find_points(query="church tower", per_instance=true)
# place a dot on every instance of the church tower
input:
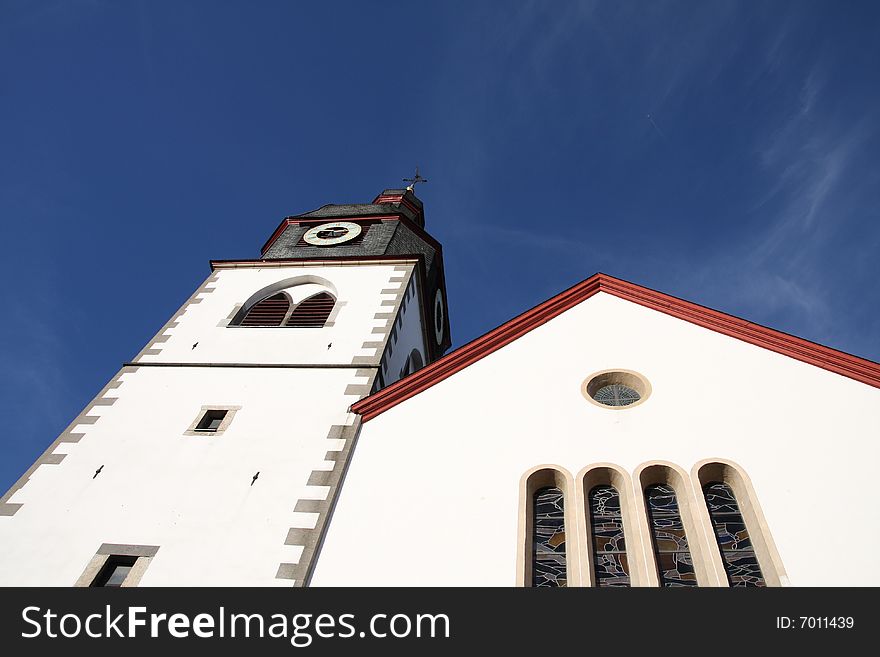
(215, 456)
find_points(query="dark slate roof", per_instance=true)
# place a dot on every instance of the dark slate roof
(360, 210)
(332, 210)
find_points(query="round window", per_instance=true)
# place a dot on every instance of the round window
(616, 388)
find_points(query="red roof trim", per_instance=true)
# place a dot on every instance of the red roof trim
(860, 369)
(395, 198)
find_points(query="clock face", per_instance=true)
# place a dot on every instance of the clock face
(330, 234)
(439, 319)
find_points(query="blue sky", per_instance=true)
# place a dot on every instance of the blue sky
(724, 152)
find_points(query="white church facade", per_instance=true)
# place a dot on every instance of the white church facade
(296, 423)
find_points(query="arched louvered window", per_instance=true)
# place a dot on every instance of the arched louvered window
(271, 311)
(609, 546)
(674, 562)
(276, 311)
(737, 552)
(548, 546)
(312, 313)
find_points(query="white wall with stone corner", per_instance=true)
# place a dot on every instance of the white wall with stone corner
(406, 336)
(191, 496)
(431, 495)
(357, 288)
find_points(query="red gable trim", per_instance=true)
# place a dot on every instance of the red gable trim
(860, 369)
(395, 198)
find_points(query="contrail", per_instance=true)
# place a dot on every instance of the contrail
(659, 131)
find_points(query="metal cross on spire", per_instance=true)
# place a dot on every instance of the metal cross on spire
(415, 180)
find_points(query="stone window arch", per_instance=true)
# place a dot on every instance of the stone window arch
(612, 549)
(744, 552)
(548, 553)
(298, 302)
(677, 551)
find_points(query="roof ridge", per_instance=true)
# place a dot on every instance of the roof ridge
(812, 353)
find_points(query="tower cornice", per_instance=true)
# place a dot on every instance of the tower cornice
(337, 261)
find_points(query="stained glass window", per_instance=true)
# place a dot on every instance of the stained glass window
(737, 551)
(548, 546)
(616, 394)
(609, 546)
(674, 562)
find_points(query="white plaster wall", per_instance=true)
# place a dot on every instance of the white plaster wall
(405, 336)
(357, 291)
(431, 495)
(190, 495)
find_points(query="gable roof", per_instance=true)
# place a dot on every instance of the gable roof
(860, 369)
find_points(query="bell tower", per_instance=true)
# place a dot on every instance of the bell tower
(393, 225)
(215, 456)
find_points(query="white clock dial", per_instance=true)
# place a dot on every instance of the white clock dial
(334, 233)
(439, 319)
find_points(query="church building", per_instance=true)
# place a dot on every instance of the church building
(299, 422)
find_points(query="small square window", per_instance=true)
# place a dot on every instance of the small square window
(211, 421)
(117, 564)
(115, 570)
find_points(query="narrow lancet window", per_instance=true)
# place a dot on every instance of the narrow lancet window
(674, 563)
(610, 563)
(737, 552)
(548, 564)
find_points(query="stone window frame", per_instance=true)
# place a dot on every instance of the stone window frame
(531, 481)
(635, 380)
(664, 472)
(231, 410)
(143, 553)
(609, 474)
(730, 473)
(688, 488)
(233, 320)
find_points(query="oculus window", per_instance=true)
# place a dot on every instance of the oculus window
(616, 389)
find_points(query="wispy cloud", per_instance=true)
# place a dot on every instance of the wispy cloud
(804, 162)
(656, 127)
(781, 267)
(628, 71)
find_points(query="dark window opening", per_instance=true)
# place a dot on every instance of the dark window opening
(271, 311)
(548, 541)
(737, 551)
(312, 313)
(610, 564)
(674, 562)
(115, 570)
(211, 421)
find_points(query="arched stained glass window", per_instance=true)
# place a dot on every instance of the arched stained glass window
(271, 311)
(313, 312)
(548, 546)
(674, 562)
(609, 546)
(737, 551)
